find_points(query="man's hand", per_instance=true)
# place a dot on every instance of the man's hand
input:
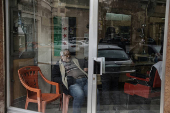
(85, 69)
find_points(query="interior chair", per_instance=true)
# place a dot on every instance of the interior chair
(146, 87)
(29, 78)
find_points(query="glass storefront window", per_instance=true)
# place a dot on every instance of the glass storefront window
(50, 34)
(40, 30)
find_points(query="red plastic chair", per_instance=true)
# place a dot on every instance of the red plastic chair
(141, 90)
(150, 89)
(29, 78)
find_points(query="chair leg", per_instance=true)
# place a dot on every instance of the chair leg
(43, 107)
(61, 103)
(39, 106)
(127, 101)
(26, 104)
(65, 103)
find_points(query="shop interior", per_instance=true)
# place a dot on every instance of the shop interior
(40, 29)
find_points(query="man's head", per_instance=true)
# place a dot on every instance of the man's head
(65, 55)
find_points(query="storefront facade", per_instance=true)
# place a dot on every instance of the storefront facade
(130, 36)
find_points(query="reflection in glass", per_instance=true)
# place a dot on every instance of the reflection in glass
(130, 38)
(40, 30)
(113, 55)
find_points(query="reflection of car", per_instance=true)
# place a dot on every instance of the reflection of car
(127, 40)
(66, 45)
(114, 40)
(82, 43)
(74, 39)
(151, 41)
(84, 46)
(116, 60)
(145, 53)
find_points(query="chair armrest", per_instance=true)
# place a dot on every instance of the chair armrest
(50, 82)
(30, 88)
(128, 75)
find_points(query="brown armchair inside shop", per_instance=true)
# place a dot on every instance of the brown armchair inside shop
(128, 35)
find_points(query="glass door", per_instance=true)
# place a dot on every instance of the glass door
(126, 37)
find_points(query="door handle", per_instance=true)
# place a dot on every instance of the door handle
(99, 65)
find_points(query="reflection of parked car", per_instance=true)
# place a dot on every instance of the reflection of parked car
(114, 40)
(145, 53)
(127, 41)
(82, 43)
(151, 41)
(74, 39)
(116, 60)
(66, 45)
(84, 46)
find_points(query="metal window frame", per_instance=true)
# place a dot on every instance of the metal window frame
(7, 54)
(164, 56)
(93, 34)
(93, 39)
(10, 109)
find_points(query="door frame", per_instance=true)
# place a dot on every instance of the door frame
(93, 42)
(164, 56)
(93, 34)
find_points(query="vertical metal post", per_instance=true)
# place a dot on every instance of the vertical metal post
(8, 82)
(93, 38)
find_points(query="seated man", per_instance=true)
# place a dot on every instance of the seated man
(69, 73)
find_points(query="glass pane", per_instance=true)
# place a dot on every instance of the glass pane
(130, 37)
(41, 31)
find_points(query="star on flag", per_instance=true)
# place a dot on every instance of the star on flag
(64, 43)
(65, 35)
(65, 28)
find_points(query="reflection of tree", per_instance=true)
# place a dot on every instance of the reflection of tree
(102, 16)
(122, 7)
(151, 7)
(29, 2)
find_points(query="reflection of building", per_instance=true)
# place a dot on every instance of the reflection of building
(133, 19)
(37, 22)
